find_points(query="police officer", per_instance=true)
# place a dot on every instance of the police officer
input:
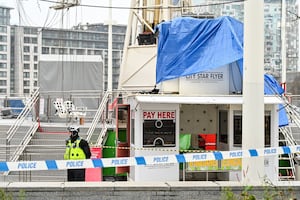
(76, 149)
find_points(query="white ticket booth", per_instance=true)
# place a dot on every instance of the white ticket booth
(154, 131)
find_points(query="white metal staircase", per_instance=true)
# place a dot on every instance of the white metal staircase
(96, 119)
(286, 166)
(20, 147)
(22, 116)
(287, 169)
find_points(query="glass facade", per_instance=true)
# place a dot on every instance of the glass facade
(273, 13)
(4, 16)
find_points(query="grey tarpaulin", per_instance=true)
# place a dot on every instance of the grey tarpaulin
(67, 76)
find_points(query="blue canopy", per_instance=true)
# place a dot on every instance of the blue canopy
(188, 45)
(272, 87)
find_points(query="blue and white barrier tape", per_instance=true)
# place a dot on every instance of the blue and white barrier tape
(144, 160)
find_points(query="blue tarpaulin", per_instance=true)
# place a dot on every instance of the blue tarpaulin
(188, 45)
(272, 87)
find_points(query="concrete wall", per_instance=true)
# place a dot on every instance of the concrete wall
(137, 191)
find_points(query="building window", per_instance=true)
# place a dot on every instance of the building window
(3, 29)
(80, 52)
(34, 40)
(2, 91)
(2, 82)
(54, 51)
(35, 49)
(3, 65)
(26, 49)
(237, 129)
(26, 83)
(35, 75)
(26, 75)
(63, 51)
(26, 58)
(26, 66)
(97, 52)
(45, 50)
(223, 126)
(35, 58)
(3, 38)
(30, 30)
(26, 40)
(26, 91)
(30, 40)
(35, 66)
(3, 48)
(3, 74)
(3, 57)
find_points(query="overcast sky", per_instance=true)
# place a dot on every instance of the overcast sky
(39, 13)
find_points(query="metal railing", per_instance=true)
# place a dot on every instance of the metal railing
(98, 114)
(102, 135)
(25, 141)
(289, 138)
(17, 123)
(21, 117)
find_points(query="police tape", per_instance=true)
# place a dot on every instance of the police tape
(145, 160)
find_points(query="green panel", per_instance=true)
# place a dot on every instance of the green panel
(111, 138)
(184, 144)
(184, 141)
(284, 163)
(122, 135)
(109, 153)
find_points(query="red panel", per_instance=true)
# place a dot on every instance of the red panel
(210, 141)
(210, 147)
(94, 174)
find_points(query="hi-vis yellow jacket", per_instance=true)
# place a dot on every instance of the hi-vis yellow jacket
(73, 151)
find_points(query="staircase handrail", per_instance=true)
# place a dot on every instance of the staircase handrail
(25, 141)
(23, 144)
(294, 115)
(97, 115)
(288, 136)
(21, 117)
(102, 135)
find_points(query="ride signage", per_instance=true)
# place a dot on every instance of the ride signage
(159, 128)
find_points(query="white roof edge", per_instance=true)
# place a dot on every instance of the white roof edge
(71, 58)
(201, 100)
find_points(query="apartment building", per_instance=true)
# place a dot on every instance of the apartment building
(34, 45)
(5, 54)
(273, 19)
(25, 59)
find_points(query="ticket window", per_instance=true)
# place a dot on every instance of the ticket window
(159, 133)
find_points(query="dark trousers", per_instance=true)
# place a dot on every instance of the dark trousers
(76, 174)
